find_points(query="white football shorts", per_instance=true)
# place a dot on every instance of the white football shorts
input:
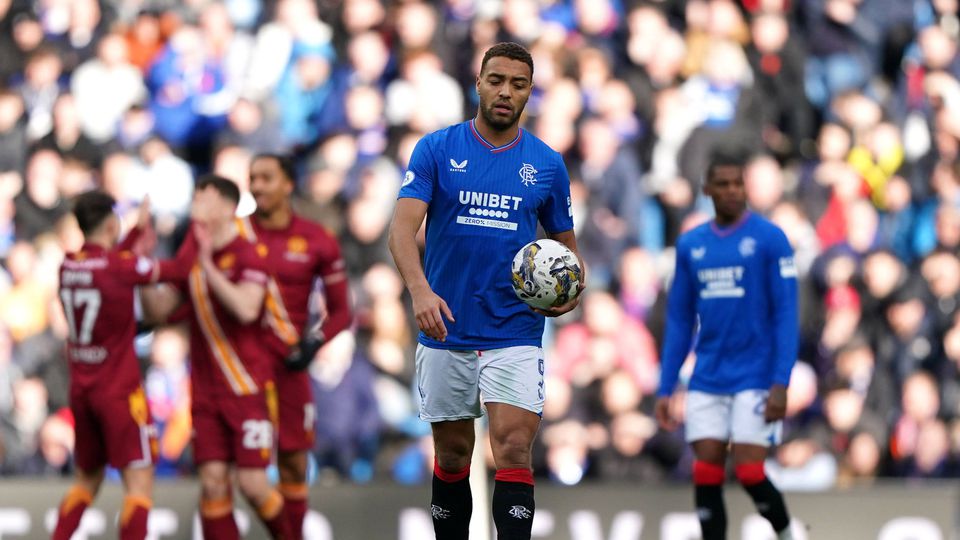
(453, 384)
(731, 417)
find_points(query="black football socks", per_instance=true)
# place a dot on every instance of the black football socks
(708, 495)
(451, 504)
(513, 504)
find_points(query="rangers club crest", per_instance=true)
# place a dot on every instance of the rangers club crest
(520, 512)
(527, 173)
(439, 512)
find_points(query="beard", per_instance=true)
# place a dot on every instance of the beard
(499, 123)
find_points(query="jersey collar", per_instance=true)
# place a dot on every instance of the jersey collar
(730, 229)
(494, 149)
(93, 249)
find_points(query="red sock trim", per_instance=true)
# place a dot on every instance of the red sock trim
(523, 476)
(450, 476)
(707, 474)
(750, 474)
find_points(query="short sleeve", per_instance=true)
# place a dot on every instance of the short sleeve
(421, 173)
(253, 265)
(330, 263)
(129, 269)
(556, 214)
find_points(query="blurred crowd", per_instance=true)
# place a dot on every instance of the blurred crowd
(850, 108)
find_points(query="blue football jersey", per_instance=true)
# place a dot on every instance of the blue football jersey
(740, 284)
(484, 205)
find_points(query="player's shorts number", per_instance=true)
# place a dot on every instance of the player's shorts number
(89, 300)
(257, 434)
(761, 408)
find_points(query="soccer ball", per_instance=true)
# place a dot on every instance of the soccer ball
(546, 274)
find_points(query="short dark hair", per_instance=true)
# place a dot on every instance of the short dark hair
(283, 161)
(224, 186)
(91, 209)
(508, 49)
(726, 156)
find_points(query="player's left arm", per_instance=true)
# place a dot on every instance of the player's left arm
(782, 290)
(141, 239)
(556, 216)
(569, 239)
(332, 271)
(243, 299)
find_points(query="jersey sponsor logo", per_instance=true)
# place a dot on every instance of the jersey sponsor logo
(747, 247)
(490, 200)
(262, 250)
(408, 178)
(788, 267)
(527, 174)
(458, 167)
(697, 253)
(297, 257)
(721, 282)
(483, 222)
(569, 207)
(482, 206)
(520, 512)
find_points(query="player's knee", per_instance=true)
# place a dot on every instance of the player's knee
(453, 461)
(292, 466)
(254, 484)
(454, 455)
(708, 474)
(512, 451)
(90, 480)
(214, 486)
(138, 482)
(750, 474)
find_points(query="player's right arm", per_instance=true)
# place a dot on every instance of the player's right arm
(161, 300)
(782, 290)
(416, 192)
(428, 307)
(681, 319)
(242, 299)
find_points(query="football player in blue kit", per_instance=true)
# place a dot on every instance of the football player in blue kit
(735, 291)
(482, 185)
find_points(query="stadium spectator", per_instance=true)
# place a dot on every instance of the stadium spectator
(105, 87)
(67, 137)
(13, 133)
